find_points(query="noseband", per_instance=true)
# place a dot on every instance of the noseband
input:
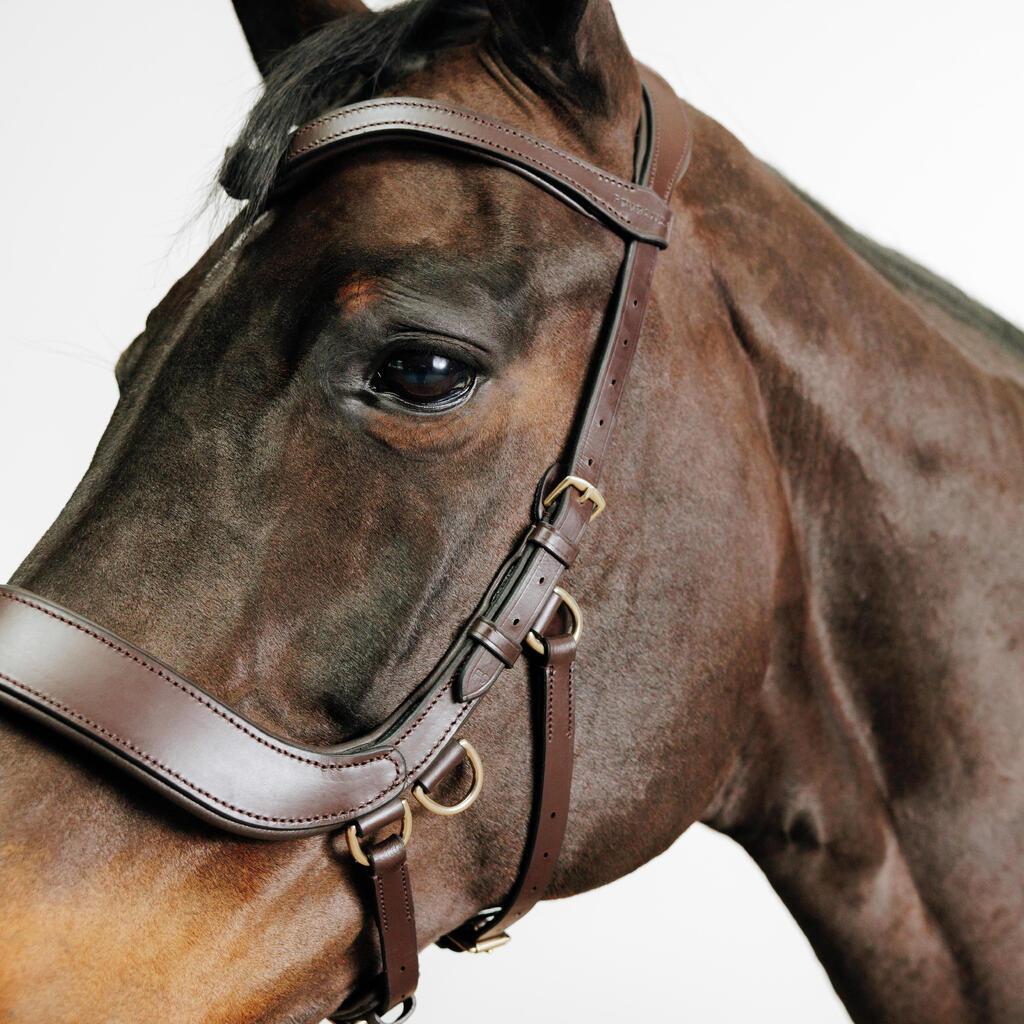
(91, 686)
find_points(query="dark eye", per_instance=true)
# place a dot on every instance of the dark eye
(424, 378)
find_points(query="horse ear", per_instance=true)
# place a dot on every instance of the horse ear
(575, 44)
(271, 26)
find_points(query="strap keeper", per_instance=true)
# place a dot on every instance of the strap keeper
(504, 648)
(443, 765)
(547, 537)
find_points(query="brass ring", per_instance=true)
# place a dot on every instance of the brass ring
(355, 847)
(534, 642)
(467, 801)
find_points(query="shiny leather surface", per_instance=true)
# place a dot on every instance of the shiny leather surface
(634, 210)
(553, 681)
(395, 919)
(396, 926)
(173, 734)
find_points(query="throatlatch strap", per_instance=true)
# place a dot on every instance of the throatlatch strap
(553, 676)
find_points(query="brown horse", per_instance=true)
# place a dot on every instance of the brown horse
(804, 604)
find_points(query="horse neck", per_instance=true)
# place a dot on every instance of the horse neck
(882, 786)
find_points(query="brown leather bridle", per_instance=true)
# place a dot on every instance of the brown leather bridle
(88, 684)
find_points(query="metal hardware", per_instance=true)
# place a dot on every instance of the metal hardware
(467, 801)
(484, 945)
(535, 643)
(375, 1018)
(588, 492)
(490, 945)
(356, 848)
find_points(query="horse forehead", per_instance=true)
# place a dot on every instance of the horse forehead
(359, 291)
(398, 197)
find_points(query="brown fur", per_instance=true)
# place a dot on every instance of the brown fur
(803, 605)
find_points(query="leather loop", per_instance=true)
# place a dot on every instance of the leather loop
(544, 535)
(370, 824)
(503, 647)
(450, 758)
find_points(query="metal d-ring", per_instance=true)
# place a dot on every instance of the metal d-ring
(356, 848)
(449, 811)
(535, 643)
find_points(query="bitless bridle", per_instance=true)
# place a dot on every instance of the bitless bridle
(88, 684)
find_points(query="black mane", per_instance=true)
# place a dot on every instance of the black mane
(348, 60)
(360, 55)
(913, 279)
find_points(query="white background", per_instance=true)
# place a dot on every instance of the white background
(904, 117)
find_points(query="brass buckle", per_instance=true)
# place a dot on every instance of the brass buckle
(356, 848)
(490, 945)
(484, 945)
(467, 801)
(588, 492)
(535, 643)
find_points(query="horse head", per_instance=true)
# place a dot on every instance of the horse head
(328, 439)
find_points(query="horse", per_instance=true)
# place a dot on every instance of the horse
(803, 603)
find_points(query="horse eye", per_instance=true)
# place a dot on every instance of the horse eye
(424, 378)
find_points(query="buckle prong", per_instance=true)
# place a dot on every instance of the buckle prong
(588, 492)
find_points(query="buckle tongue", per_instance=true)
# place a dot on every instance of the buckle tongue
(588, 492)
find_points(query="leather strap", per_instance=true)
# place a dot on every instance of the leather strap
(629, 208)
(88, 684)
(514, 606)
(93, 686)
(554, 540)
(395, 918)
(553, 679)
